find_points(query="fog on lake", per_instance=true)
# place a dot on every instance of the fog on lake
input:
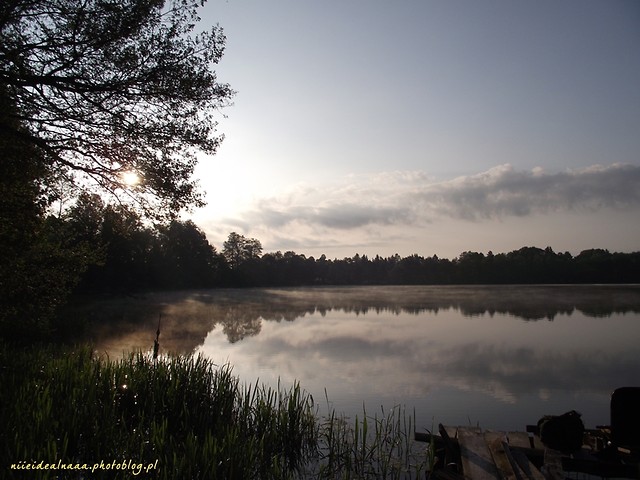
(500, 356)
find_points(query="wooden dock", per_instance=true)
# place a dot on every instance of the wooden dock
(470, 453)
(473, 454)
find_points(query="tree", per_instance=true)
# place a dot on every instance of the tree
(188, 259)
(85, 218)
(106, 87)
(38, 263)
(238, 249)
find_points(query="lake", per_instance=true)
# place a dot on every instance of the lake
(497, 356)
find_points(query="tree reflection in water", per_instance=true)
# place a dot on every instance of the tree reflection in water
(530, 347)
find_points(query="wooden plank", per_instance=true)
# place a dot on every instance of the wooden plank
(526, 467)
(495, 441)
(534, 433)
(469, 428)
(477, 463)
(537, 443)
(451, 431)
(519, 439)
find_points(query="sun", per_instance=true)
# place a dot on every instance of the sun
(130, 178)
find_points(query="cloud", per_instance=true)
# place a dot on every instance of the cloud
(349, 215)
(414, 198)
(503, 191)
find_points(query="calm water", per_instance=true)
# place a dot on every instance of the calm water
(500, 356)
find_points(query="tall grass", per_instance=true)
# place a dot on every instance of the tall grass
(182, 418)
(379, 446)
(188, 417)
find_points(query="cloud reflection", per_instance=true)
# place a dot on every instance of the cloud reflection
(506, 342)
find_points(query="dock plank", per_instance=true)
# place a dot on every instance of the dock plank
(505, 469)
(537, 443)
(451, 431)
(489, 455)
(523, 440)
(529, 469)
(519, 439)
(477, 462)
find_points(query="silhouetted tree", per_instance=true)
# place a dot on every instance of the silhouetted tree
(107, 87)
(238, 249)
(470, 267)
(594, 265)
(85, 218)
(122, 233)
(90, 90)
(38, 265)
(188, 259)
(120, 244)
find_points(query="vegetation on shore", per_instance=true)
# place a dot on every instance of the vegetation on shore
(95, 248)
(376, 447)
(180, 417)
(128, 255)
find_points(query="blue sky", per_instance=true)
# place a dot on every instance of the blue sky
(429, 127)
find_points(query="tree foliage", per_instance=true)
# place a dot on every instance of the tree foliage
(97, 248)
(238, 249)
(186, 258)
(131, 256)
(104, 87)
(39, 262)
(92, 90)
(527, 265)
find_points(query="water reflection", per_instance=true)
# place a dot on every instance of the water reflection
(500, 352)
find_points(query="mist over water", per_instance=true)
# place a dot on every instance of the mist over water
(501, 356)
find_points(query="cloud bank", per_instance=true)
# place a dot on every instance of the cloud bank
(413, 198)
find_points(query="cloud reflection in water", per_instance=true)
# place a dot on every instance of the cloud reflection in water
(406, 344)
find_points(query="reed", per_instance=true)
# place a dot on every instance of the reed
(379, 446)
(186, 417)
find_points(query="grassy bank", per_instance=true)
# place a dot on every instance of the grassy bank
(69, 414)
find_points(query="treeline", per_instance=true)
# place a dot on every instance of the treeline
(127, 256)
(527, 265)
(97, 248)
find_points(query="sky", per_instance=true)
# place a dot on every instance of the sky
(426, 127)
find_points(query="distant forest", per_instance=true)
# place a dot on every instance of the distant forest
(128, 257)
(92, 248)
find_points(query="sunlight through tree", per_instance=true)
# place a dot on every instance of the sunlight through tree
(106, 89)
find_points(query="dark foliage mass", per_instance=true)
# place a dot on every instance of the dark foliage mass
(107, 87)
(178, 255)
(99, 99)
(106, 249)
(527, 265)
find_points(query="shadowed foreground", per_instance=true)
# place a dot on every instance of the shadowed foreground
(183, 416)
(68, 414)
